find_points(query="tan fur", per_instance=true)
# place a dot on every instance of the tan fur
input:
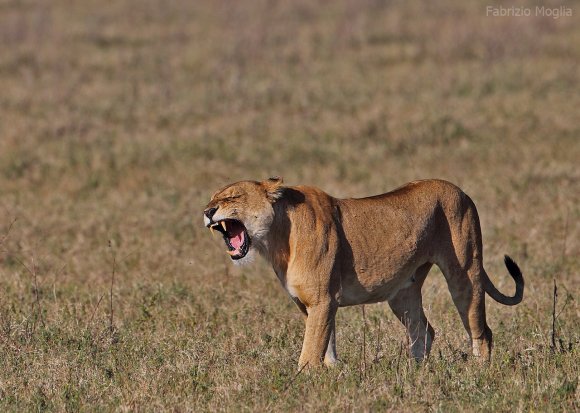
(330, 253)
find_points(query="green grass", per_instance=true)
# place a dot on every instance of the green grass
(118, 122)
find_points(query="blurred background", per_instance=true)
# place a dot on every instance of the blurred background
(119, 119)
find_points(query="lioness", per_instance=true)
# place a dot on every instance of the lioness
(331, 253)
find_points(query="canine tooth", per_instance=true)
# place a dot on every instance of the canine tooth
(223, 224)
(212, 231)
(231, 252)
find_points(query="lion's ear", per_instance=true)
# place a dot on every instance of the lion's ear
(273, 187)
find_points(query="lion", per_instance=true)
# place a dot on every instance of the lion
(330, 253)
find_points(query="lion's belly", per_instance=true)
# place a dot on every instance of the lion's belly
(365, 288)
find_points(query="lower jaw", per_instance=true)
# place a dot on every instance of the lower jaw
(237, 256)
(244, 259)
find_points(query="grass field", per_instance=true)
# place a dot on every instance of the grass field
(119, 119)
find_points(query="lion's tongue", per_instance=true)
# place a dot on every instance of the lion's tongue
(236, 233)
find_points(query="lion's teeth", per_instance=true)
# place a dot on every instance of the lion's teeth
(212, 231)
(231, 252)
(223, 224)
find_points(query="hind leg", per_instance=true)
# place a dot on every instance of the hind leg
(330, 357)
(408, 307)
(469, 298)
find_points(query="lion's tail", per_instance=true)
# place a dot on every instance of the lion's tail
(516, 274)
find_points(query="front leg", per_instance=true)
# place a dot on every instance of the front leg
(330, 357)
(319, 327)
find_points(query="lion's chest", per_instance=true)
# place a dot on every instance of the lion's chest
(291, 290)
(296, 288)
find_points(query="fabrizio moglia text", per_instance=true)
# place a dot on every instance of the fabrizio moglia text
(554, 12)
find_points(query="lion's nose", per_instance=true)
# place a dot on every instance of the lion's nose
(210, 212)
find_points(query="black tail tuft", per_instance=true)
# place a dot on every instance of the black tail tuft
(513, 268)
(516, 274)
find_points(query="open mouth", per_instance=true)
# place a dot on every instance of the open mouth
(235, 236)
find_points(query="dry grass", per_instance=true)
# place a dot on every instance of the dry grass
(118, 121)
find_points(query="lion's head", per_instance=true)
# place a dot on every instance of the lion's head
(242, 212)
